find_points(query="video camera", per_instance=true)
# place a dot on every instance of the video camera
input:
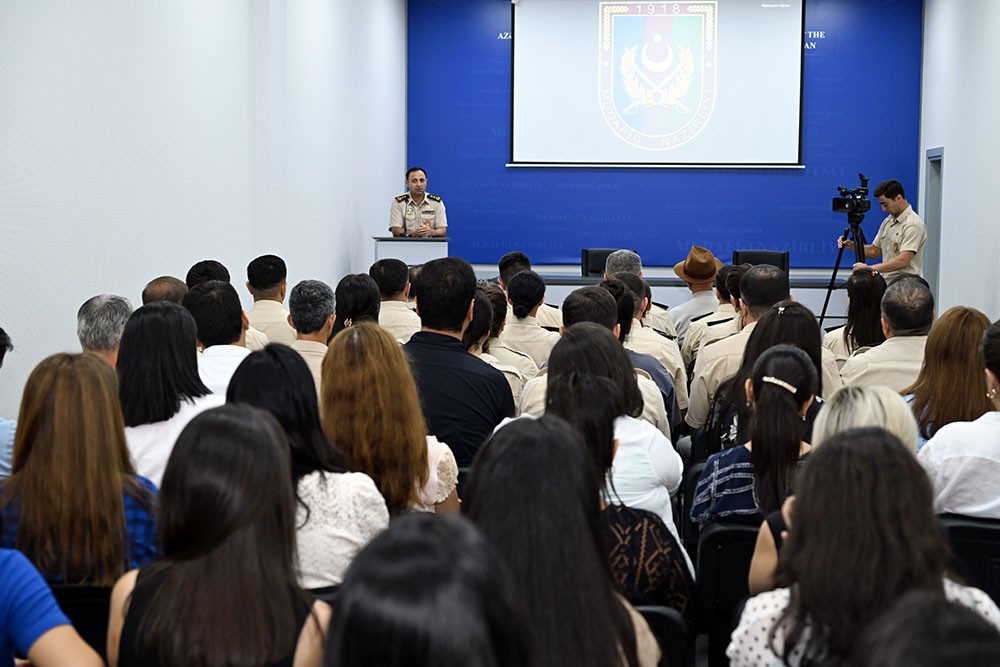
(853, 201)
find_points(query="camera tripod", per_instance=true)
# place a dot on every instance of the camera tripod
(853, 232)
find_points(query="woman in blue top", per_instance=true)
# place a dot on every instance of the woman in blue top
(754, 479)
(73, 503)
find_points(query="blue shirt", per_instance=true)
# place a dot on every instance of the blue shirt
(27, 608)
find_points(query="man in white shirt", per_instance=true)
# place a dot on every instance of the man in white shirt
(266, 282)
(393, 279)
(698, 270)
(222, 327)
(312, 315)
(210, 269)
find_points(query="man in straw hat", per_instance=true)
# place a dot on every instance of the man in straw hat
(698, 271)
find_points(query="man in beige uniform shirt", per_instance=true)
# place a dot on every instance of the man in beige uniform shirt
(510, 265)
(526, 293)
(393, 280)
(907, 316)
(628, 261)
(725, 312)
(266, 283)
(311, 305)
(417, 213)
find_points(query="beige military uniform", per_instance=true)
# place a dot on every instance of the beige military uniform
(547, 316)
(834, 341)
(897, 235)
(716, 363)
(271, 318)
(398, 319)
(514, 377)
(646, 341)
(408, 214)
(696, 330)
(256, 339)
(653, 411)
(507, 356)
(830, 373)
(527, 335)
(895, 363)
(659, 318)
(313, 353)
(720, 331)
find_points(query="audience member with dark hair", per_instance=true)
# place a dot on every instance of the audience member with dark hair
(99, 325)
(337, 512)
(526, 294)
(862, 534)
(205, 270)
(7, 426)
(726, 328)
(164, 288)
(907, 316)
(476, 342)
(629, 261)
(395, 314)
(227, 524)
(532, 494)
(357, 300)
(73, 503)
(865, 289)
(963, 457)
(370, 410)
(724, 312)
(507, 356)
(510, 265)
(428, 592)
(222, 327)
(158, 383)
(463, 398)
(414, 284)
(752, 480)
(311, 312)
(267, 283)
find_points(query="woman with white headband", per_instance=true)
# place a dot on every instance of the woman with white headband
(752, 480)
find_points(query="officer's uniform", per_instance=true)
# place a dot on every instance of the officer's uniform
(895, 363)
(409, 215)
(646, 341)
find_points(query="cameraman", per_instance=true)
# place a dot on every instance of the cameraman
(900, 239)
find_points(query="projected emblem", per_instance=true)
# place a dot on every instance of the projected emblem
(657, 71)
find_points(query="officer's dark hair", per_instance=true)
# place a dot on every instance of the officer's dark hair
(636, 286)
(391, 276)
(266, 275)
(498, 301)
(889, 189)
(590, 304)
(761, 287)
(526, 290)
(720, 280)
(205, 270)
(482, 320)
(415, 280)
(447, 287)
(413, 169)
(511, 264)
(908, 306)
(5, 345)
(624, 305)
(216, 309)
(733, 279)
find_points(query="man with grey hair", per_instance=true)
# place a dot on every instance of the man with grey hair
(907, 316)
(657, 317)
(311, 314)
(99, 325)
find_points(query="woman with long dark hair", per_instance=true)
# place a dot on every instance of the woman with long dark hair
(158, 383)
(532, 494)
(225, 592)
(73, 503)
(862, 534)
(753, 479)
(865, 288)
(356, 299)
(338, 512)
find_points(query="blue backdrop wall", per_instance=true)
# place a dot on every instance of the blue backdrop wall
(861, 105)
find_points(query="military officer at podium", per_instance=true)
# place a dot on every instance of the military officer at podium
(417, 213)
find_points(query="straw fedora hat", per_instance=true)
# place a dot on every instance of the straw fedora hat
(700, 266)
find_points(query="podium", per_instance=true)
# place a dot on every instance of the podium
(413, 250)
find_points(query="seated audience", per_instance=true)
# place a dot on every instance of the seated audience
(723, 313)
(907, 316)
(463, 398)
(99, 325)
(227, 525)
(222, 327)
(507, 356)
(394, 315)
(532, 494)
(7, 426)
(510, 265)
(862, 534)
(31, 623)
(963, 458)
(476, 339)
(371, 412)
(158, 383)
(337, 512)
(428, 592)
(164, 288)
(865, 289)
(950, 385)
(73, 503)
(698, 270)
(267, 282)
(526, 293)
(210, 269)
(726, 328)
(657, 317)
(752, 480)
(312, 314)
(356, 300)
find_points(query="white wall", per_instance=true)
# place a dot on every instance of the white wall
(960, 105)
(138, 138)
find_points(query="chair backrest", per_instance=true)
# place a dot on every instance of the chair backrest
(88, 609)
(671, 632)
(592, 260)
(725, 550)
(689, 529)
(772, 257)
(327, 594)
(976, 546)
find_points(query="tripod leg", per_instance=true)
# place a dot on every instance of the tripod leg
(833, 279)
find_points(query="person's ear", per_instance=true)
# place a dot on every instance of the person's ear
(406, 292)
(748, 388)
(249, 289)
(472, 307)
(290, 323)
(806, 406)
(617, 331)
(886, 329)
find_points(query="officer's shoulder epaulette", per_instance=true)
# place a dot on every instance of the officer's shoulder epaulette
(701, 317)
(434, 198)
(663, 333)
(402, 197)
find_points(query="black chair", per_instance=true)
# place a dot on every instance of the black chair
(327, 594)
(671, 632)
(689, 529)
(463, 474)
(725, 550)
(975, 544)
(772, 257)
(88, 609)
(592, 260)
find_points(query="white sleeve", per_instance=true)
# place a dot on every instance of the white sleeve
(666, 462)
